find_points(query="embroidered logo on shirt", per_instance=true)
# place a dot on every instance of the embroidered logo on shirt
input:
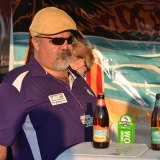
(56, 99)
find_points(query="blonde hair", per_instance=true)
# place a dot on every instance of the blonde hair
(83, 51)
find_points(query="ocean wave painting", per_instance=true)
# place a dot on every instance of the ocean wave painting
(131, 69)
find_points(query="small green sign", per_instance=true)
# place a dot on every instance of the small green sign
(126, 129)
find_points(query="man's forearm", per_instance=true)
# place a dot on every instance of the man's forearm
(3, 152)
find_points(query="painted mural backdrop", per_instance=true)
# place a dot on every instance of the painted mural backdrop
(125, 37)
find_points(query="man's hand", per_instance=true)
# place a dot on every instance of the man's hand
(3, 152)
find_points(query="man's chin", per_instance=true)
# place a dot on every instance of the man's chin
(62, 68)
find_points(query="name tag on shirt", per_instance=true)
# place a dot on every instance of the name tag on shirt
(56, 99)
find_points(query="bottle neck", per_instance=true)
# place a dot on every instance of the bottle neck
(101, 102)
(157, 103)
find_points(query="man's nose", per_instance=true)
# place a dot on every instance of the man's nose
(64, 45)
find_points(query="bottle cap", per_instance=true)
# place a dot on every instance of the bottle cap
(101, 95)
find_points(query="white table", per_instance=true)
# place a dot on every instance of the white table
(85, 151)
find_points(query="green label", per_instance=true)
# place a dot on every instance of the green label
(125, 136)
(126, 129)
(155, 135)
(100, 132)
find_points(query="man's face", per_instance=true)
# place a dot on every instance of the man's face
(54, 54)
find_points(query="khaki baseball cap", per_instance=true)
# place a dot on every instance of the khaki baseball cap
(51, 20)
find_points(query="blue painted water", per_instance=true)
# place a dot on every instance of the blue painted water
(131, 69)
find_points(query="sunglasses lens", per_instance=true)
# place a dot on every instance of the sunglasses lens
(70, 40)
(60, 41)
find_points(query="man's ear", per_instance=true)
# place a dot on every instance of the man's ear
(35, 44)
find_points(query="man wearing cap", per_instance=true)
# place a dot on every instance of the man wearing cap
(46, 107)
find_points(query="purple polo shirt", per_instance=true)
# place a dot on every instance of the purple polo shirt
(40, 115)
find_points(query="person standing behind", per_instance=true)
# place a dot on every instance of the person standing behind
(44, 103)
(83, 58)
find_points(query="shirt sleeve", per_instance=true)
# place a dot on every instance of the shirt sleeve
(12, 113)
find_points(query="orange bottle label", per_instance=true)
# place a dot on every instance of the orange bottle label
(100, 134)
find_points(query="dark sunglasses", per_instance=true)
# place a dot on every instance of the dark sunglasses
(60, 41)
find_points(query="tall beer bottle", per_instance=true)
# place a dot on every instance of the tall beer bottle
(155, 125)
(101, 136)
